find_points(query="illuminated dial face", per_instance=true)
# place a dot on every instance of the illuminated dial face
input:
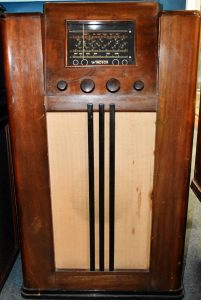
(100, 43)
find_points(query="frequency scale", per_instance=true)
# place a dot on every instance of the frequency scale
(100, 43)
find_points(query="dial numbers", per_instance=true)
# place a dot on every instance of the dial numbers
(100, 43)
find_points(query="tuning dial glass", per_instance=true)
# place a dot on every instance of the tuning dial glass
(100, 43)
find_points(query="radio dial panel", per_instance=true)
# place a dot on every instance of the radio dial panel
(100, 43)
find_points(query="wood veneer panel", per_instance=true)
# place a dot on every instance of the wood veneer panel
(138, 103)
(9, 239)
(179, 42)
(24, 83)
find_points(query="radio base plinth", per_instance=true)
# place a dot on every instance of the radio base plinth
(89, 295)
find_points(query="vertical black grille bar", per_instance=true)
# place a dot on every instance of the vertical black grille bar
(101, 185)
(91, 185)
(112, 187)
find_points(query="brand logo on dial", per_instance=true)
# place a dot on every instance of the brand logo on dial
(99, 62)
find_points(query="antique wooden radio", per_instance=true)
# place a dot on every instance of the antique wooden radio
(101, 107)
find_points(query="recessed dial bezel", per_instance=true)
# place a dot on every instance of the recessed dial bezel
(106, 34)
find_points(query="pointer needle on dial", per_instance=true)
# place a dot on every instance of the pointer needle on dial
(83, 41)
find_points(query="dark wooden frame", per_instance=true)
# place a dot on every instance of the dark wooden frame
(9, 237)
(175, 119)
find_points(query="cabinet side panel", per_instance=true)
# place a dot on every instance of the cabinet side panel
(24, 83)
(179, 41)
(9, 242)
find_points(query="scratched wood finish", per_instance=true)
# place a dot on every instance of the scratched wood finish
(179, 34)
(68, 160)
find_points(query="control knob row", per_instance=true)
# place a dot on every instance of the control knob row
(112, 85)
(88, 85)
(116, 61)
(84, 62)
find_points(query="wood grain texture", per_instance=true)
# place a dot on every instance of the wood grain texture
(9, 238)
(137, 103)
(178, 60)
(24, 83)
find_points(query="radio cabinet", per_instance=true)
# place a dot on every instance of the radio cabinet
(101, 109)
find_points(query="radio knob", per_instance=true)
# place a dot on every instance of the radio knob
(75, 62)
(138, 85)
(115, 61)
(62, 85)
(113, 85)
(87, 85)
(124, 62)
(84, 62)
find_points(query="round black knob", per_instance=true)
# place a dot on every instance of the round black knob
(87, 85)
(138, 85)
(84, 62)
(62, 85)
(113, 85)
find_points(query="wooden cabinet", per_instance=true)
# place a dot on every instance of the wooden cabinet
(102, 146)
(9, 243)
